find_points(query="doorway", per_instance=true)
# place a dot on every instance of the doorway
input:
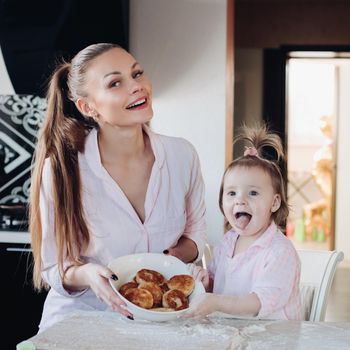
(311, 102)
(304, 103)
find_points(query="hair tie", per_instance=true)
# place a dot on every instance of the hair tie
(251, 151)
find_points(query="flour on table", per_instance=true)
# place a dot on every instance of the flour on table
(240, 340)
(252, 329)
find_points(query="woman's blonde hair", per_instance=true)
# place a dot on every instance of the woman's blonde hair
(61, 137)
(260, 138)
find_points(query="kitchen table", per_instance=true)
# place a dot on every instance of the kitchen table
(109, 330)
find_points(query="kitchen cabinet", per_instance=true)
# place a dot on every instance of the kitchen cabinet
(21, 304)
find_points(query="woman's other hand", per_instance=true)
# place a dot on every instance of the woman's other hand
(185, 250)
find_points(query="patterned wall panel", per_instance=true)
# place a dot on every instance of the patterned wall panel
(20, 118)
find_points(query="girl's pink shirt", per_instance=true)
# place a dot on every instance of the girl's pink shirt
(270, 268)
(174, 207)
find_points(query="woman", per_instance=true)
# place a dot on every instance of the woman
(104, 185)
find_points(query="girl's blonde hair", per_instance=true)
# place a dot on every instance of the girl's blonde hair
(260, 138)
(61, 137)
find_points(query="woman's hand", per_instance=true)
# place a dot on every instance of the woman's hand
(185, 249)
(95, 277)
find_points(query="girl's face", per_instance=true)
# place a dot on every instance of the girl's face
(248, 200)
(118, 89)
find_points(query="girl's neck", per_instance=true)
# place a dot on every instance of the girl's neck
(243, 242)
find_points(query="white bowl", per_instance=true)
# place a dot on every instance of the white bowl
(125, 267)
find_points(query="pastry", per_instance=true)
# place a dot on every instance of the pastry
(184, 283)
(175, 299)
(155, 290)
(127, 286)
(146, 275)
(164, 287)
(140, 297)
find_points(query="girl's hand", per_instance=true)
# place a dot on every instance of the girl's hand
(96, 277)
(199, 274)
(202, 306)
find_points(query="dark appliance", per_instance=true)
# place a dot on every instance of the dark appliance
(13, 217)
(20, 118)
(21, 306)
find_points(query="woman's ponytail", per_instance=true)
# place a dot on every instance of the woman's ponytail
(61, 137)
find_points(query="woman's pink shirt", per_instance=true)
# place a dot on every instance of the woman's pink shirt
(174, 207)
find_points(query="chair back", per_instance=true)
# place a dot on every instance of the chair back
(317, 272)
(207, 256)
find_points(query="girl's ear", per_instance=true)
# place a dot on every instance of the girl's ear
(276, 203)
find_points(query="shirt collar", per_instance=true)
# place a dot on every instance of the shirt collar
(263, 241)
(157, 146)
(92, 152)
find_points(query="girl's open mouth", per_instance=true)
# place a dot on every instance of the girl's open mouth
(242, 219)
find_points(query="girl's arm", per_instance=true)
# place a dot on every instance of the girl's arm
(247, 305)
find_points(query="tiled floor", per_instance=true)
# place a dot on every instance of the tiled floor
(338, 309)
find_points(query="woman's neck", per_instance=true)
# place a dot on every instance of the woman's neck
(122, 144)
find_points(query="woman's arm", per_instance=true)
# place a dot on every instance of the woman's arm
(190, 246)
(186, 250)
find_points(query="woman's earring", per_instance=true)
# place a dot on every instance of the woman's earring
(94, 116)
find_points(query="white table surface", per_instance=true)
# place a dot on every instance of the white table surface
(107, 331)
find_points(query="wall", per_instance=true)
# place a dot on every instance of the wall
(248, 89)
(182, 46)
(342, 225)
(270, 23)
(6, 87)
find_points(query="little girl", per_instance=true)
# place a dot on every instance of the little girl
(255, 268)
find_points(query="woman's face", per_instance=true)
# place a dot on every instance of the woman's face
(118, 90)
